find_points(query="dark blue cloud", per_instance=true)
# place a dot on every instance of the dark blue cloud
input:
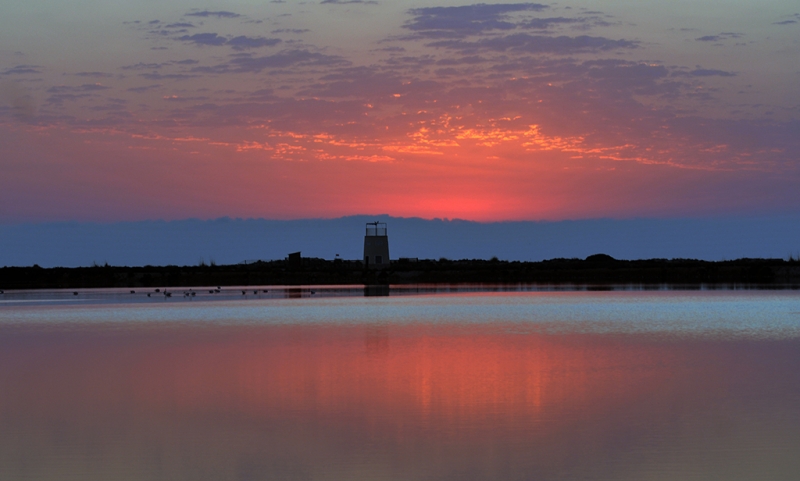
(180, 25)
(361, 82)
(79, 88)
(793, 19)
(243, 42)
(284, 59)
(620, 69)
(117, 106)
(143, 88)
(64, 93)
(468, 60)
(469, 19)
(525, 43)
(172, 76)
(291, 30)
(545, 23)
(175, 98)
(94, 74)
(707, 72)
(719, 37)
(347, 2)
(142, 66)
(22, 70)
(218, 14)
(204, 39)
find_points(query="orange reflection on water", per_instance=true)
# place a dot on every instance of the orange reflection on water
(384, 402)
(444, 376)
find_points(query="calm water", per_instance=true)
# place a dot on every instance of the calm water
(622, 385)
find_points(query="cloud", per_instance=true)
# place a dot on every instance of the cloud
(64, 93)
(94, 74)
(284, 59)
(706, 72)
(180, 25)
(290, 30)
(112, 105)
(59, 99)
(363, 82)
(178, 98)
(522, 42)
(347, 2)
(142, 66)
(621, 69)
(719, 37)
(793, 19)
(545, 23)
(22, 70)
(21, 102)
(77, 89)
(467, 20)
(242, 42)
(204, 39)
(173, 76)
(391, 49)
(469, 60)
(144, 88)
(218, 14)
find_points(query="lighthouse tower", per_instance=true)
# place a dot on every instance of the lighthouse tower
(376, 246)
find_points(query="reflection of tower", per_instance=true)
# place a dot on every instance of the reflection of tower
(376, 246)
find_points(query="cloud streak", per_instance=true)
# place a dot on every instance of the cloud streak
(469, 19)
(526, 43)
(217, 14)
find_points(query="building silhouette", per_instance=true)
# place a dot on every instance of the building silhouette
(376, 246)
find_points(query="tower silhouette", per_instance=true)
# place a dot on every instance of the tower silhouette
(376, 246)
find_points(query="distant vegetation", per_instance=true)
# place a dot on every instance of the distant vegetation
(598, 269)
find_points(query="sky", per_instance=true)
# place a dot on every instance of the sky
(123, 110)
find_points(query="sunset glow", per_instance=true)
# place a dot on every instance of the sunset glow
(489, 111)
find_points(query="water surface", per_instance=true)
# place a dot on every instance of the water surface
(622, 385)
